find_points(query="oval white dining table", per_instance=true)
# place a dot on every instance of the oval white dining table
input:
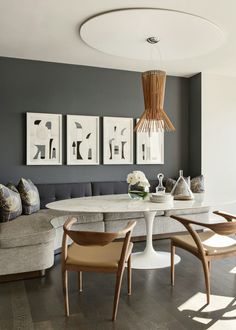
(149, 258)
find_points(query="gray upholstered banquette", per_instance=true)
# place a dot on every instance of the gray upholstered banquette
(28, 242)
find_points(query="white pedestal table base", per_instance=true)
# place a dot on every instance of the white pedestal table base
(158, 259)
(149, 258)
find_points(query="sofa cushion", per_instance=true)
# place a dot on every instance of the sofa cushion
(161, 224)
(11, 186)
(197, 184)
(55, 192)
(109, 188)
(116, 187)
(169, 184)
(27, 230)
(10, 204)
(140, 227)
(196, 210)
(26, 259)
(126, 215)
(114, 226)
(153, 185)
(29, 196)
(59, 217)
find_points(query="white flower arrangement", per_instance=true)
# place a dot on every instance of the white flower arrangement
(138, 177)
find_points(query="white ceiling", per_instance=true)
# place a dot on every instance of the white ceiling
(48, 30)
(124, 33)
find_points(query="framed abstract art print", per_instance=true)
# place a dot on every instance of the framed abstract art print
(149, 147)
(82, 140)
(44, 139)
(117, 140)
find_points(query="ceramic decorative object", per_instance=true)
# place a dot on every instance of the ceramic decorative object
(138, 185)
(160, 189)
(181, 190)
(161, 198)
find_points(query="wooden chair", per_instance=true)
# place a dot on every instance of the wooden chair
(96, 252)
(208, 245)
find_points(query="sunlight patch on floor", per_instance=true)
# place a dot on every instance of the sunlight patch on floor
(202, 320)
(224, 325)
(233, 270)
(219, 314)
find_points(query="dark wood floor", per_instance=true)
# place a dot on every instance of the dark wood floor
(38, 303)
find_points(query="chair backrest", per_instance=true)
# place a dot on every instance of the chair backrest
(229, 217)
(88, 238)
(221, 228)
(91, 238)
(95, 238)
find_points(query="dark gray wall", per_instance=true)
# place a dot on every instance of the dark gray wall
(33, 86)
(195, 124)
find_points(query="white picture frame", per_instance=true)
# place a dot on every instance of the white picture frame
(43, 139)
(149, 147)
(82, 140)
(117, 140)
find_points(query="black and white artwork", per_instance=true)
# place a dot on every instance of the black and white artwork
(82, 140)
(117, 140)
(150, 147)
(44, 139)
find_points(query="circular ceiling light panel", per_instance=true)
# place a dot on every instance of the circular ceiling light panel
(125, 32)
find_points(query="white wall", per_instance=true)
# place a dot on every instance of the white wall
(219, 133)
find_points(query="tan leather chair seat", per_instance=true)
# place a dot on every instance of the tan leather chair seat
(213, 244)
(106, 256)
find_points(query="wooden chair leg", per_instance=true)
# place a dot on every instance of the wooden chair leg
(119, 277)
(172, 264)
(65, 291)
(129, 275)
(80, 281)
(209, 265)
(207, 279)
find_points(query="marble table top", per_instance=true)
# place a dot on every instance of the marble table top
(122, 203)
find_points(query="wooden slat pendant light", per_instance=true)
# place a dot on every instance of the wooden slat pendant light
(154, 118)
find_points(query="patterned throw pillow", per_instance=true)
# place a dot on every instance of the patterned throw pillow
(10, 204)
(169, 184)
(11, 186)
(197, 184)
(29, 196)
